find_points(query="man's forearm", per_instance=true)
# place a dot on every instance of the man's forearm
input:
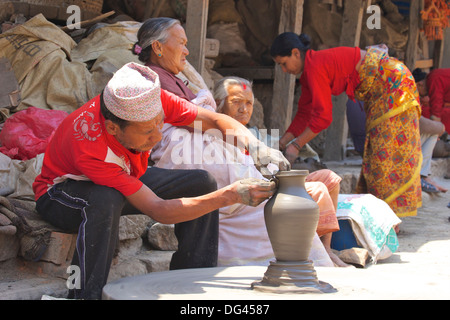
(185, 209)
(248, 191)
(182, 209)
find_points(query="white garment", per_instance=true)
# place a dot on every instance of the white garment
(428, 142)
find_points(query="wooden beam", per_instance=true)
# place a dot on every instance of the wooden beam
(284, 84)
(196, 24)
(352, 23)
(87, 23)
(438, 53)
(423, 64)
(413, 34)
(337, 132)
(446, 48)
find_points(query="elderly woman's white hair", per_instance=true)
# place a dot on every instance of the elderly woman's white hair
(153, 29)
(221, 89)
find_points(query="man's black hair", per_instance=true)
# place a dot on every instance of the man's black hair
(108, 115)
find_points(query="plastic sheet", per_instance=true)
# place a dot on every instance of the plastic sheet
(26, 133)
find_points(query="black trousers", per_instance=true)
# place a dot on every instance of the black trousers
(93, 211)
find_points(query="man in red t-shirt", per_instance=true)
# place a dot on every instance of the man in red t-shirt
(96, 168)
(434, 91)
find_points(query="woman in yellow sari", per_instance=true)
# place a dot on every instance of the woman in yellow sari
(392, 154)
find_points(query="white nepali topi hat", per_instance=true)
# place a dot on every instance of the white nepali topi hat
(133, 93)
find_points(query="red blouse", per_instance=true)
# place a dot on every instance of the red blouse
(325, 73)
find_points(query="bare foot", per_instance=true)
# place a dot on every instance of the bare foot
(430, 181)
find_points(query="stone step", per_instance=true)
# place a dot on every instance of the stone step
(21, 279)
(24, 280)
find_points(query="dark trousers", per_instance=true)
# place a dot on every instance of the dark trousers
(93, 211)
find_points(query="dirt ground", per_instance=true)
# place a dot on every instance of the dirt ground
(420, 269)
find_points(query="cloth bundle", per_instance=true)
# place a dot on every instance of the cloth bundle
(17, 207)
(18, 217)
(372, 221)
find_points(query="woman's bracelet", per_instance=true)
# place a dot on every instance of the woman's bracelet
(296, 145)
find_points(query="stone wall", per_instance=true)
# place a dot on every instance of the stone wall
(144, 246)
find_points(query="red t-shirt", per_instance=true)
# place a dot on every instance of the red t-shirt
(81, 149)
(438, 84)
(326, 72)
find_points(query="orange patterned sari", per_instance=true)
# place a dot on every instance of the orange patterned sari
(392, 153)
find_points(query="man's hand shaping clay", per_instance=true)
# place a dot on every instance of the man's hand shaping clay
(253, 191)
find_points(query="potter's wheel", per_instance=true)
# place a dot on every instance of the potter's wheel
(219, 283)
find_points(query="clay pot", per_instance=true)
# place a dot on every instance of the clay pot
(291, 220)
(291, 217)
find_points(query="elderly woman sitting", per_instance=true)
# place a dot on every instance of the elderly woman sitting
(243, 236)
(234, 97)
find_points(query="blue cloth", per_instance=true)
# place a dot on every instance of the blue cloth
(356, 118)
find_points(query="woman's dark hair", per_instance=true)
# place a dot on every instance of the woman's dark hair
(108, 115)
(284, 43)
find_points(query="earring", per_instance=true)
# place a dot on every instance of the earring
(159, 55)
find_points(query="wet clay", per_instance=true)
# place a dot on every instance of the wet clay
(244, 192)
(291, 217)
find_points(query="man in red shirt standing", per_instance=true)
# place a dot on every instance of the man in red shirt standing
(435, 85)
(96, 168)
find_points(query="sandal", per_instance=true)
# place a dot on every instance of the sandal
(427, 187)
